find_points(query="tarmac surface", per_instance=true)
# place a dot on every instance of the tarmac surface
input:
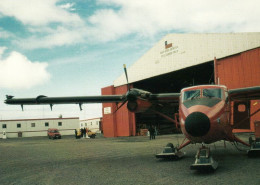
(122, 160)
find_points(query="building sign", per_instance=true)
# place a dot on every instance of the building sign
(107, 110)
(169, 50)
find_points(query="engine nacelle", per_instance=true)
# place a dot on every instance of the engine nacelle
(138, 105)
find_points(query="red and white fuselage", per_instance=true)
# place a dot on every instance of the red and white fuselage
(204, 114)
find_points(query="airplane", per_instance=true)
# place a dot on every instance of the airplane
(204, 114)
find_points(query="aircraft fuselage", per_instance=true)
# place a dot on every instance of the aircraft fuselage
(204, 114)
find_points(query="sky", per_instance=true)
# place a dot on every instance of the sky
(75, 48)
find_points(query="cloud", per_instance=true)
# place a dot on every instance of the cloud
(68, 6)
(17, 72)
(52, 24)
(55, 37)
(148, 17)
(38, 12)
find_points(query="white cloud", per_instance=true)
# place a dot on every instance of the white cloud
(68, 6)
(2, 50)
(148, 17)
(56, 37)
(114, 19)
(38, 12)
(17, 72)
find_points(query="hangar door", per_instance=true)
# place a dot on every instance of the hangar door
(241, 115)
(172, 83)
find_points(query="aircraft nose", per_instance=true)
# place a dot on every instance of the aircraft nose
(197, 124)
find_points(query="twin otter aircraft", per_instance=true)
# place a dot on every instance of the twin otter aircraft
(204, 114)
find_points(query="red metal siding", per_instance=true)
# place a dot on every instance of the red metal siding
(122, 117)
(255, 105)
(109, 120)
(122, 123)
(242, 70)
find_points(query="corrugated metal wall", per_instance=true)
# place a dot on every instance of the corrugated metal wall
(125, 119)
(109, 120)
(122, 123)
(241, 70)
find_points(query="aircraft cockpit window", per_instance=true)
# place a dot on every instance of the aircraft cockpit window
(212, 93)
(189, 95)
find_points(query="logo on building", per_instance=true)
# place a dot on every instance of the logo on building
(168, 50)
(167, 45)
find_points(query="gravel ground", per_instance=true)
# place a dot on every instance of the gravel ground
(122, 160)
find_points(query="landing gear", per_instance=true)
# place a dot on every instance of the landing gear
(204, 160)
(170, 152)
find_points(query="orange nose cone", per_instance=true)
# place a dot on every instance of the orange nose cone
(197, 124)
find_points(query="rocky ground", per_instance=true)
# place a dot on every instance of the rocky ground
(122, 160)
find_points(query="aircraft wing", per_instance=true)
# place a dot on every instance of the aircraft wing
(165, 98)
(248, 93)
(132, 95)
(64, 100)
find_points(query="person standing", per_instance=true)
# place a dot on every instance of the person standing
(84, 132)
(151, 130)
(153, 135)
(76, 133)
(81, 132)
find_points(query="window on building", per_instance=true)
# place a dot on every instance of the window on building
(241, 107)
(59, 123)
(46, 124)
(32, 124)
(4, 126)
(85, 124)
(91, 123)
(97, 122)
(18, 125)
(81, 124)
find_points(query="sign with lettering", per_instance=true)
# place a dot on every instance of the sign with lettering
(107, 110)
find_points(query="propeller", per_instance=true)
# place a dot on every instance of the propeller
(127, 93)
(132, 94)
(128, 86)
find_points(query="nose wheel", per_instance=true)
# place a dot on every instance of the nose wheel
(204, 160)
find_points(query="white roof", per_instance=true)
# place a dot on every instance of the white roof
(185, 50)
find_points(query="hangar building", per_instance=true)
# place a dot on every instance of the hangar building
(37, 127)
(182, 60)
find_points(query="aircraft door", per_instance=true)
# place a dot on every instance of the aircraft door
(241, 115)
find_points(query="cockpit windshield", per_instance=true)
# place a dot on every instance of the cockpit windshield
(189, 95)
(212, 93)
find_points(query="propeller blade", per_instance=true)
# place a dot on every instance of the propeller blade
(128, 87)
(120, 106)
